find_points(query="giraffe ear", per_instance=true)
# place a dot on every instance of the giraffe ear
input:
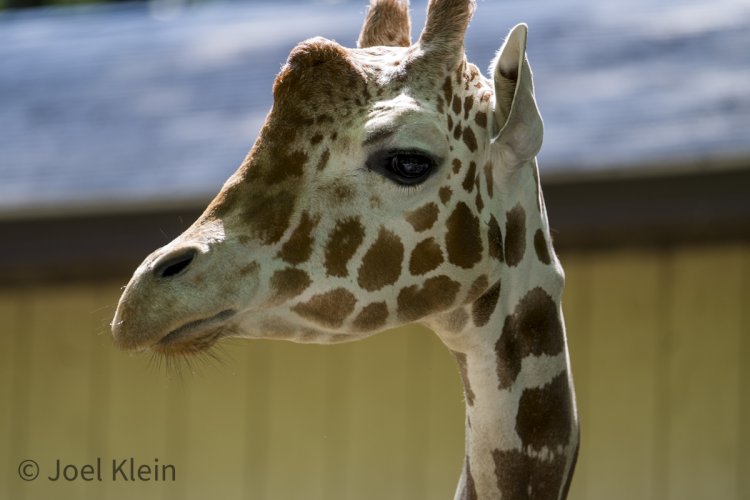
(517, 123)
(387, 23)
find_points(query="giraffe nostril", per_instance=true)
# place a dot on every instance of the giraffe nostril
(175, 264)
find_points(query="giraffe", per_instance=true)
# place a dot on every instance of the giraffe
(391, 184)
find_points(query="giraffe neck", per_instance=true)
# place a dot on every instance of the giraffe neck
(510, 345)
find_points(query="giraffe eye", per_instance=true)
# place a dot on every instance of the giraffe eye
(403, 167)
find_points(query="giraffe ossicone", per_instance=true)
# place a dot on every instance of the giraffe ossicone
(391, 184)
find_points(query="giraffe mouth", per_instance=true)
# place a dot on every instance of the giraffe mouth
(195, 336)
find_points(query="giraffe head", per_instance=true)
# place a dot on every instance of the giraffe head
(372, 198)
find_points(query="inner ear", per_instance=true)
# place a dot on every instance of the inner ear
(505, 77)
(517, 123)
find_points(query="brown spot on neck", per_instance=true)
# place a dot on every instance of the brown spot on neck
(481, 119)
(463, 370)
(381, 264)
(423, 218)
(328, 309)
(476, 289)
(479, 202)
(484, 306)
(470, 139)
(540, 245)
(463, 240)
(520, 476)
(495, 237)
(468, 103)
(534, 328)
(470, 489)
(448, 89)
(456, 105)
(515, 235)
(343, 242)
(471, 174)
(489, 175)
(545, 415)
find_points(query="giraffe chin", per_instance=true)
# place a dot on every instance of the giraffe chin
(196, 336)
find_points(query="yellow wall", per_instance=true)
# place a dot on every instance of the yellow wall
(660, 350)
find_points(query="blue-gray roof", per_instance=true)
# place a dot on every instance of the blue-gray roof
(134, 105)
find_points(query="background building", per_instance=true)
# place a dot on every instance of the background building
(119, 123)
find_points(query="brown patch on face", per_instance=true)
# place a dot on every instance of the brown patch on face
(540, 245)
(323, 160)
(495, 237)
(463, 370)
(425, 257)
(481, 119)
(468, 103)
(471, 174)
(456, 165)
(440, 105)
(484, 306)
(477, 289)
(489, 175)
(343, 242)
(545, 415)
(534, 328)
(423, 218)
(316, 139)
(381, 265)
(266, 214)
(470, 139)
(437, 294)
(463, 240)
(328, 309)
(339, 190)
(456, 105)
(448, 89)
(286, 165)
(521, 476)
(287, 284)
(445, 194)
(515, 235)
(298, 247)
(371, 317)
(450, 123)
